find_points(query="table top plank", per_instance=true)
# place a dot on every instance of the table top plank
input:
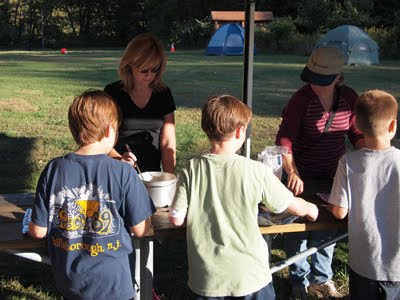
(12, 208)
(10, 212)
(11, 237)
(22, 199)
(162, 227)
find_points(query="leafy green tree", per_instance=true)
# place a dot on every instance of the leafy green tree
(385, 11)
(278, 7)
(7, 31)
(329, 14)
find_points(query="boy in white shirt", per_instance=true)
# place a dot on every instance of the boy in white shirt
(367, 187)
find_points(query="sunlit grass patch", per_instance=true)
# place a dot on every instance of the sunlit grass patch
(38, 87)
(17, 105)
(16, 291)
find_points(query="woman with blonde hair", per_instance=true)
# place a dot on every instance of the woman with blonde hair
(147, 106)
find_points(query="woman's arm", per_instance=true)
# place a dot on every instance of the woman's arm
(355, 135)
(292, 118)
(294, 182)
(168, 144)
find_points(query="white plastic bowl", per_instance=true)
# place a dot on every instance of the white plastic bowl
(161, 187)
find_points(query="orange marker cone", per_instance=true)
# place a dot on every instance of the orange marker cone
(172, 47)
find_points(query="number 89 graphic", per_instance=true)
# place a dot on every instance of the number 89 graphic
(102, 222)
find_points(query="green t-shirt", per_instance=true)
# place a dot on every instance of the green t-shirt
(226, 252)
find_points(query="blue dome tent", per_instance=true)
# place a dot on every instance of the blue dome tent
(357, 46)
(227, 40)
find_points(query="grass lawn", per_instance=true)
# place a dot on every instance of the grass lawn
(37, 88)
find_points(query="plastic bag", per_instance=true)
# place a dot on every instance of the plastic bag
(266, 218)
(272, 157)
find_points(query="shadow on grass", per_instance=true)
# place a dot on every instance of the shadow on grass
(170, 269)
(16, 167)
(170, 273)
(24, 279)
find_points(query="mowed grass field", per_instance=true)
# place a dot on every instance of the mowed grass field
(37, 88)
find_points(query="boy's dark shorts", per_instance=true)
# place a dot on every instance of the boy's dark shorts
(266, 293)
(362, 288)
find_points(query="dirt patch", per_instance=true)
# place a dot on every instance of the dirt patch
(17, 105)
(30, 92)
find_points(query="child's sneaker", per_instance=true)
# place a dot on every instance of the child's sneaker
(299, 292)
(326, 290)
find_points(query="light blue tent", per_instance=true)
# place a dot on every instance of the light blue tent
(227, 40)
(357, 46)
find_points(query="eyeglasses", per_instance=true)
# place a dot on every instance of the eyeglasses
(154, 70)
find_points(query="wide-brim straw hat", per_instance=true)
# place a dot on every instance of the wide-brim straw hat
(324, 64)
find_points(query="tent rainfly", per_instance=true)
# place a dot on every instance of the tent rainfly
(357, 46)
(227, 40)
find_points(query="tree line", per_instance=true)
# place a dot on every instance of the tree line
(54, 23)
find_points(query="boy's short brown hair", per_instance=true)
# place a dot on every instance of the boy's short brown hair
(374, 109)
(222, 115)
(89, 116)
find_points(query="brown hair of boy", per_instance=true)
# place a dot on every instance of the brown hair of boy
(145, 51)
(89, 116)
(374, 109)
(222, 115)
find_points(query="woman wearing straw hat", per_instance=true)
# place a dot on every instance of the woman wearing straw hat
(314, 125)
(147, 106)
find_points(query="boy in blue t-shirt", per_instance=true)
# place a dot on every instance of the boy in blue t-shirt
(85, 200)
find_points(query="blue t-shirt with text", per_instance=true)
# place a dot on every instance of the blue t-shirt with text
(86, 202)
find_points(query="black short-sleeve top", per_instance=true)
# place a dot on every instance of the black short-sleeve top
(141, 127)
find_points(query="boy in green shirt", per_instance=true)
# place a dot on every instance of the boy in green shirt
(218, 195)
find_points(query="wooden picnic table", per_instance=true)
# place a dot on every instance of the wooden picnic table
(13, 206)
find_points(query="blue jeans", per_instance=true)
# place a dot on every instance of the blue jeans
(320, 270)
(266, 293)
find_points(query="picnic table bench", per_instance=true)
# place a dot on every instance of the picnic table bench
(13, 206)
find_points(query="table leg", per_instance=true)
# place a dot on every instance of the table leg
(144, 268)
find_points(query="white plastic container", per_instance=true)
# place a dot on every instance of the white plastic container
(161, 187)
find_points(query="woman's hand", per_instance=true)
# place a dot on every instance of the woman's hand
(129, 158)
(295, 184)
